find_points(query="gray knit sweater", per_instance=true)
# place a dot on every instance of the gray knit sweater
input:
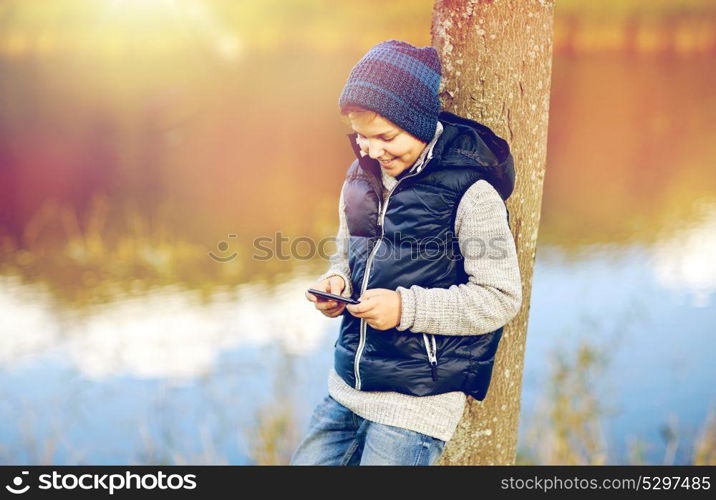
(490, 299)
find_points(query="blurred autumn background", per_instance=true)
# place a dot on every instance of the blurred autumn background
(143, 142)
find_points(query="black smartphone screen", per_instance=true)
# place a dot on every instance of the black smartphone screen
(330, 296)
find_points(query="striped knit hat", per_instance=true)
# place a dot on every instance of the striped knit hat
(399, 82)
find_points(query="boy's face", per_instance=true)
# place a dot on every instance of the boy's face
(395, 149)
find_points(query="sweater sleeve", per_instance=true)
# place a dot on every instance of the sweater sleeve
(493, 294)
(338, 262)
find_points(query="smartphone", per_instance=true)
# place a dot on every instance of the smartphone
(330, 296)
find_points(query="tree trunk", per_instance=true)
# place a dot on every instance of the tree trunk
(497, 62)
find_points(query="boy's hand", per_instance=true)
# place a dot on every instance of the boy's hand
(334, 285)
(380, 307)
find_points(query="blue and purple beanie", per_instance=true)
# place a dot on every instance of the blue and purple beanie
(399, 82)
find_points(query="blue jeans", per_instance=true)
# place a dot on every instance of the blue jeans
(337, 436)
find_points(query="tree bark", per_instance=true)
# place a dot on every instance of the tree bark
(497, 63)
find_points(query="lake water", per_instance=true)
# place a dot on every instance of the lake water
(184, 382)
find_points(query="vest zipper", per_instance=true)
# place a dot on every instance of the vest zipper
(432, 350)
(366, 274)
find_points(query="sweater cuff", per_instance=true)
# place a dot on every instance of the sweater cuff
(407, 313)
(348, 290)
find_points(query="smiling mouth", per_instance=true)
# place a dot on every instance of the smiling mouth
(386, 163)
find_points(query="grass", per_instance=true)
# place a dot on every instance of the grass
(569, 421)
(118, 251)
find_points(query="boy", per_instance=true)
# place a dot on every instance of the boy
(424, 243)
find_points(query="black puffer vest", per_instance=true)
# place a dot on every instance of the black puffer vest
(410, 240)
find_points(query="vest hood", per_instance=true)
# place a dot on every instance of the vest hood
(465, 143)
(469, 143)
